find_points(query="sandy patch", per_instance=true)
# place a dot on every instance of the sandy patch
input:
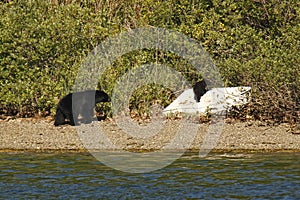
(41, 134)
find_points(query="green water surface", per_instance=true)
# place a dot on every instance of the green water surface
(218, 176)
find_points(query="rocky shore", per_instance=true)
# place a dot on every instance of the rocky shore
(42, 135)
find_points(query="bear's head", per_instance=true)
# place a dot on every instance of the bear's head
(101, 96)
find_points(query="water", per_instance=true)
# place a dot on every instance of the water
(219, 176)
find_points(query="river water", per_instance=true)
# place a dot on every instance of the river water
(218, 176)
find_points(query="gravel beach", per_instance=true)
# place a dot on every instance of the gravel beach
(41, 135)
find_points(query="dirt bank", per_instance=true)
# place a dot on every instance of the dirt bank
(40, 134)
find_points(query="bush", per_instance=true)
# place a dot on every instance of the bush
(42, 48)
(254, 43)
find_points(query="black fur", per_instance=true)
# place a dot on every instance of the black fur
(200, 88)
(83, 105)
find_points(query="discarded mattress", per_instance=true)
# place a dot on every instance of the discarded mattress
(213, 101)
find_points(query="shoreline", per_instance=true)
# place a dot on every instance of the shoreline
(40, 135)
(214, 151)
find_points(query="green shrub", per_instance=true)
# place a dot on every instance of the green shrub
(254, 43)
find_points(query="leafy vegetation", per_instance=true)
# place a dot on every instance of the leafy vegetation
(253, 42)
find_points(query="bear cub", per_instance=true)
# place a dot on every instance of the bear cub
(199, 88)
(84, 103)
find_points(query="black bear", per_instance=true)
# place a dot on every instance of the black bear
(200, 88)
(79, 103)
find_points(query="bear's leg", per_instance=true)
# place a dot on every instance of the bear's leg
(70, 117)
(87, 114)
(59, 117)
